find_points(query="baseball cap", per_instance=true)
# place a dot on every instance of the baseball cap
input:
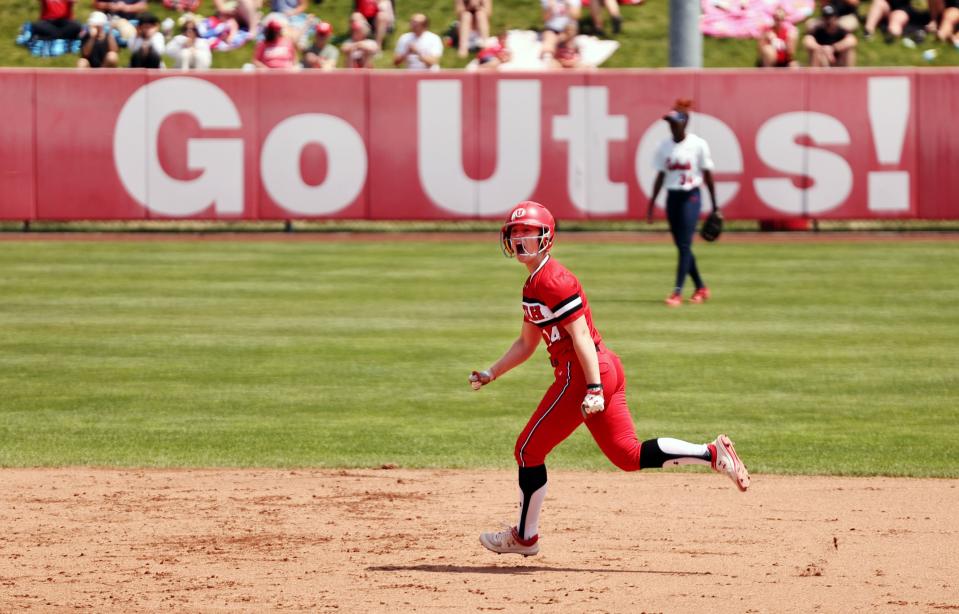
(97, 19)
(274, 25)
(676, 116)
(828, 11)
(324, 29)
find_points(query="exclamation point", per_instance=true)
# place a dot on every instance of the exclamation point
(889, 118)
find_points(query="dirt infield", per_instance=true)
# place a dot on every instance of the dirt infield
(400, 540)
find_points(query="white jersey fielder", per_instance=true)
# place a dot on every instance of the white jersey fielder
(683, 163)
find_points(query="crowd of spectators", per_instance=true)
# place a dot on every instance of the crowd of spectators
(285, 36)
(831, 37)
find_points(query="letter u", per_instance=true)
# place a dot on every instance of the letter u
(440, 147)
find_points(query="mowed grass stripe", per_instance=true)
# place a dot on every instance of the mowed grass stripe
(826, 358)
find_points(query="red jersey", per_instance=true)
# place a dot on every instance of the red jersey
(279, 54)
(366, 8)
(553, 296)
(780, 42)
(51, 10)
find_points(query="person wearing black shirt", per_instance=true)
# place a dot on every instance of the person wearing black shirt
(98, 46)
(829, 44)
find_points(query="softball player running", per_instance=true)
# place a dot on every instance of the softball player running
(684, 164)
(589, 387)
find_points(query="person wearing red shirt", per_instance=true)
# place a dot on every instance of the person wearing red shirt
(276, 50)
(56, 21)
(589, 386)
(777, 43)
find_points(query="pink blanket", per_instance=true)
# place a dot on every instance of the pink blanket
(748, 18)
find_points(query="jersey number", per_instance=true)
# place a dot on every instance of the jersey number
(554, 336)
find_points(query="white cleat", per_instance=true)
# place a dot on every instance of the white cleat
(509, 542)
(725, 460)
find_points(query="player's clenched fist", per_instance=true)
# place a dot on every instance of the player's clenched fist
(480, 378)
(593, 402)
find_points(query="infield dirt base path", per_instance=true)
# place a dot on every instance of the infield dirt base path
(378, 540)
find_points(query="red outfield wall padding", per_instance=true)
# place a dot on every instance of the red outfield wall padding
(395, 145)
(17, 172)
(938, 137)
(77, 115)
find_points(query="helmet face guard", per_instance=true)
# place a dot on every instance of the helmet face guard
(526, 244)
(536, 228)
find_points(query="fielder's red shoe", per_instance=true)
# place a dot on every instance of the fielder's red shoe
(725, 460)
(509, 542)
(674, 300)
(701, 295)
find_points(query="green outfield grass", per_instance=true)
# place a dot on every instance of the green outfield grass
(832, 358)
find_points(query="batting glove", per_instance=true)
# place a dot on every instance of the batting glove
(593, 402)
(480, 378)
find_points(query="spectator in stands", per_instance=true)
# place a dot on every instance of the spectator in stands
(321, 54)
(245, 14)
(945, 15)
(556, 16)
(419, 48)
(896, 13)
(567, 51)
(276, 50)
(98, 46)
(360, 49)
(299, 25)
(596, 11)
(146, 50)
(124, 9)
(184, 6)
(379, 15)
(472, 15)
(120, 12)
(495, 53)
(56, 21)
(829, 44)
(777, 43)
(188, 49)
(288, 8)
(846, 10)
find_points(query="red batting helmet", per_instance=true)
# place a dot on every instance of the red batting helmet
(529, 213)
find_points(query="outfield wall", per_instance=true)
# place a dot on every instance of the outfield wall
(133, 145)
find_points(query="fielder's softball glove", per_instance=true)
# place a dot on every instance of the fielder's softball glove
(712, 226)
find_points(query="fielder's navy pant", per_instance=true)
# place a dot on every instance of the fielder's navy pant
(682, 211)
